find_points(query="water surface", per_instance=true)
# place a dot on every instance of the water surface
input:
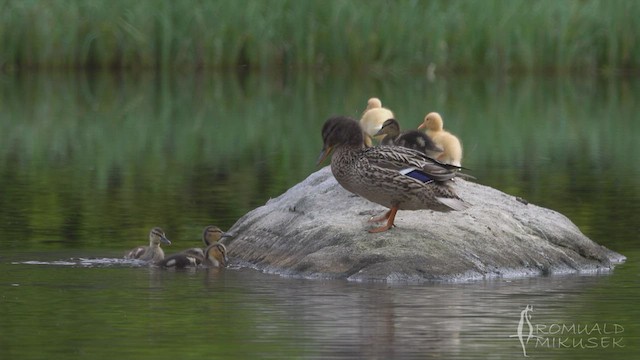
(89, 163)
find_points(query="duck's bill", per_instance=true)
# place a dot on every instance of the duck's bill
(421, 126)
(165, 240)
(323, 155)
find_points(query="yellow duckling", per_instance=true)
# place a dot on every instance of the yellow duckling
(372, 119)
(196, 256)
(153, 252)
(452, 148)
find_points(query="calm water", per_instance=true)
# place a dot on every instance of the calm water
(88, 164)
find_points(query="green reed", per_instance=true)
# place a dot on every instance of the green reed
(357, 35)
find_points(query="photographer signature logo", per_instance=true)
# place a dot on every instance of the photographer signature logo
(566, 335)
(525, 317)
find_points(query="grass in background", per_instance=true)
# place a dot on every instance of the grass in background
(360, 35)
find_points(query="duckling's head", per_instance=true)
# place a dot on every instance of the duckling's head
(433, 122)
(156, 237)
(340, 131)
(373, 103)
(211, 234)
(216, 255)
(390, 127)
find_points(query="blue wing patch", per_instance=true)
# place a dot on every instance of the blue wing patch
(416, 174)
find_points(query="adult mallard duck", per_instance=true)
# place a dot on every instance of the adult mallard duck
(196, 256)
(412, 139)
(153, 252)
(451, 146)
(392, 176)
(372, 119)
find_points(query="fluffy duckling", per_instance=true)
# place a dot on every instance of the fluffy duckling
(196, 256)
(372, 119)
(210, 235)
(392, 176)
(451, 146)
(412, 139)
(215, 255)
(153, 252)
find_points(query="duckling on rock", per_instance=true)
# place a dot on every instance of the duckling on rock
(451, 146)
(195, 256)
(153, 252)
(412, 139)
(392, 176)
(373, 117)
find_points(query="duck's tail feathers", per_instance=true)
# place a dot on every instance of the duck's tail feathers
(465, 176)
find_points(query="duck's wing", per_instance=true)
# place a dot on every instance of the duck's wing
(400, 159)
(136, 253)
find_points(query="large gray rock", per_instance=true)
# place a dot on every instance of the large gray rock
(318, 229)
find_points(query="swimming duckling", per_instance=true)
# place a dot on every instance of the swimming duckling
(412, 139)
(188, 258)
(451, 146)
(210, 235)
(195, 256)
(392, 176)
(153, 252)
(372, 119)
(215, 255)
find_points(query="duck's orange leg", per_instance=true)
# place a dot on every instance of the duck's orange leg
(380, 218)
(391, 215)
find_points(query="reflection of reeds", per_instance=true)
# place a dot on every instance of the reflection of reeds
(101, 121)
(99, 152)
(493, 35)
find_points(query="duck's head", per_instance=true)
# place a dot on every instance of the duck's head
(433, 121)
(340, 131)
(373, 103)
(216, 254)
(212, 234)
(156, 237)
(390, 127)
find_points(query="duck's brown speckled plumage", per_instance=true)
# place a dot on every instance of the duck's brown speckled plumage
(375, 173)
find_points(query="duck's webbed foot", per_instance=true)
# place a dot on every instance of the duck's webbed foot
(390, 217)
